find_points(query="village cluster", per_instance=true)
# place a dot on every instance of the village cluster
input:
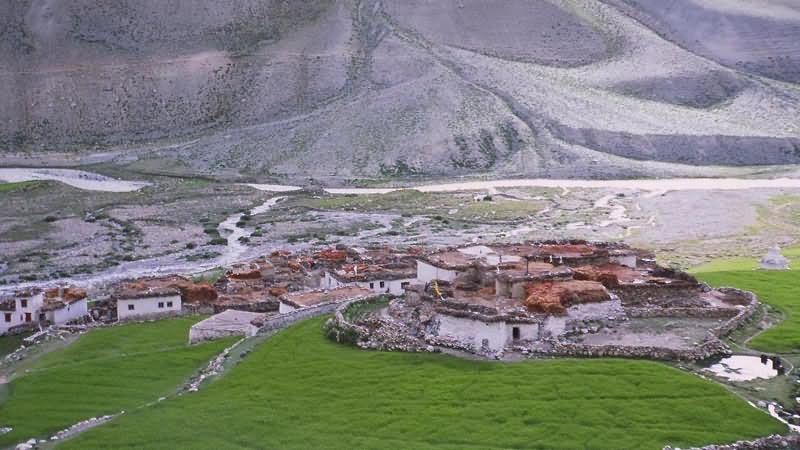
(494, 301)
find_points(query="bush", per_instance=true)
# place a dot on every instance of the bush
(218, 241)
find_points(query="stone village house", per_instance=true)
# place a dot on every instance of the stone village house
(31, 308)
(137, 301)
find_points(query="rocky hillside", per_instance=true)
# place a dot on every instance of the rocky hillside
(351, 88)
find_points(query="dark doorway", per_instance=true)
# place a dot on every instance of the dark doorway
(515, 333)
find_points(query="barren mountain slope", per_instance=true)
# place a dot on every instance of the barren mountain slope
(348, 88)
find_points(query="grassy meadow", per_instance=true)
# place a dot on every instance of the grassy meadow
(299, 390)
(104, 372)
(448, 205)
(779, 289)
(10, 343)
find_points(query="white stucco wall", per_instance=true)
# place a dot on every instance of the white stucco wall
(627, 260)
(427, 273)
(147, 306)
(224, 324)
(329, 282)
(284, 308)
(555, 325)
(474, 332)
(14, 318)
(33, 305)
(394, 287)
(527, 332)
(69, 312)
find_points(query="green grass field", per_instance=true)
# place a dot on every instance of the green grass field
(22, 185)
(431, 204)
(10, 343)
(779, 289)
(299, 390)
(103, 372)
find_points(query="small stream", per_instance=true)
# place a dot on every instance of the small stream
(235, 250)
(169, 265)
(76, 178)
(656, 186)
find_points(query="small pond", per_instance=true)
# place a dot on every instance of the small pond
(743, 368)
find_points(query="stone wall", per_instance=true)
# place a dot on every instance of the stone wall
(694, 313)
(284, 320)
(268, 306)
(665, 295)
(152, 316)
(707, 349)
(775, 442)
(371, 333)
(743, 315)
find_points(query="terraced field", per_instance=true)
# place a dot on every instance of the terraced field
(298, 390)
(778, 289)
(106, 371)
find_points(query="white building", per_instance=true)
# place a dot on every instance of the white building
(309, 299)
(34, 306)
(9, 318)
(379, 283)
(226, 323)
(774, 260)
(148, 302)
(23, 307)
(486, 336)
(64, 311)
(427, 272)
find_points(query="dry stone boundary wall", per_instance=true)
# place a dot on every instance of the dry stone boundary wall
(790, 442)
(342, 330)
(284, 320)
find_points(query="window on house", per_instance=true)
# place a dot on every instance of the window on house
(8, 317)
(130, 307)
(41, 317)
(383, 284)
(160, 304)
(23, 303)
(405, 284)
(515, 333)
(169, 304)
(372, 285)
(28, 317)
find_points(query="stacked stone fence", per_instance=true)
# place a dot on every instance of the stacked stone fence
(374, 332)
(284, 320)
(743, 315)
(657, 294)
(775, 442)
(687, 312)
(702, 351)
(153, 316)
(712, 346)
(197, 309)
